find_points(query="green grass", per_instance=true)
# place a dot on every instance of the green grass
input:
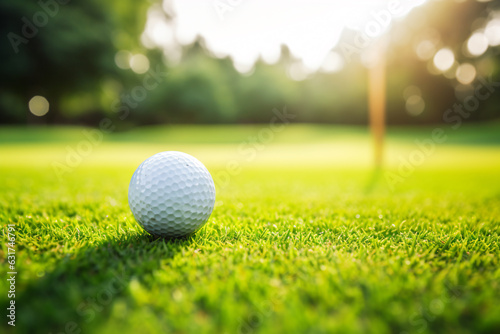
(305, 238)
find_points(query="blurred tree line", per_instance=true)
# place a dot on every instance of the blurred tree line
(65, 51)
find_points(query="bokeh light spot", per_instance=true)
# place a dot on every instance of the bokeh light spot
(444, 59)
(425, 50)
(122, 59)
(466, 73)
(415, 105)
(297, 71)
(333, 63)
(477, 44)
(38, 105)
(492, 32)
(139, 63)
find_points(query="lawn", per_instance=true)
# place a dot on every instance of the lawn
(305, 236)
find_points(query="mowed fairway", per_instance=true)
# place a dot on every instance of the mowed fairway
(305, 237)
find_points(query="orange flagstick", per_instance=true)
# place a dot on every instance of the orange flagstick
(377, 101)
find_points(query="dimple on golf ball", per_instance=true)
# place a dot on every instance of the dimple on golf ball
(171, 194)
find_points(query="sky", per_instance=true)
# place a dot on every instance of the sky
(247, 30)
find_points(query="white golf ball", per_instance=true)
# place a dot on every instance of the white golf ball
(171, 194)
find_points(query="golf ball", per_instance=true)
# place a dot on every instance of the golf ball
(171, 194)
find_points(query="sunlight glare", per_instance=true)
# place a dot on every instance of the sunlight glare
(247, 31)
